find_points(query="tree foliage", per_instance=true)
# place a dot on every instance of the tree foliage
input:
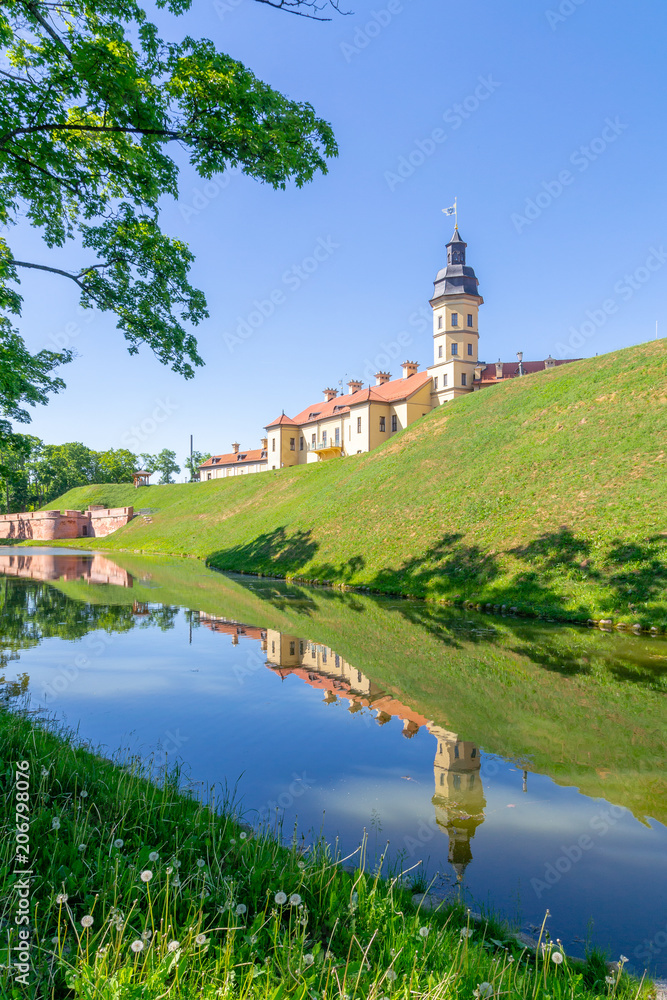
(93, 103)
(164, 463)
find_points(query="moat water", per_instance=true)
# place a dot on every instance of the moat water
(518, 765)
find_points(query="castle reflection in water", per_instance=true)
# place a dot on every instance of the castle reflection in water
(459, 795)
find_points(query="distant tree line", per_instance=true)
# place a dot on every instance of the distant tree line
(33, 473)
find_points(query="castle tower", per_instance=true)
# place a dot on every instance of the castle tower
(455, 303)
(459, 795)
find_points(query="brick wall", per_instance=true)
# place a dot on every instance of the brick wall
(48, 525)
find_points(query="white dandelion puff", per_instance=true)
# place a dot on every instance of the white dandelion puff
(201, 863)
(61, 898)
(295, 899)
(423, 932)
(55, 823)
(201, 939)
(173, 946)
(280, 898)
(146, 935)
(83, 794)
(118, 842)
(241, 909)
(609, 980)
(467, 932)
(308, 959)
(483, 991)
(623, 959)
(87, 921)
(243, 836)
(146, 875)
(153, 856)
(137, 946)
(391, 975)
(557, 957)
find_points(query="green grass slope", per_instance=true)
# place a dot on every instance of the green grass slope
(548, 492)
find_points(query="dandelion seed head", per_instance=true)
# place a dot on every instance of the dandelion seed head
(61, 898)
(173, 946)
(243, 836)
(241, 909)
(146, 935)
(146, 875)
(623, 959)
(83, 794)
(82, 847)
(280, 898)
(137, 946)
(119, 842)
(201, 863)
(201, 939)
(483, 991)
(295, 899)
(557, 957)
(45, 773)
(308, 959)
(391, 975)
(55, 823)
(609, 980)
(301, 865)
(153, 856)
(467, 932)
(87, 921)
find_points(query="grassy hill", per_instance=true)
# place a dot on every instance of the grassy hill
(548, 493)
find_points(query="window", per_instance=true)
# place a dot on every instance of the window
(208, 475)
(337, 435)
(470, 319)
(440, 351)
(455, 319)
(292, 648)
(273, 444)
(444, 381)
(394, 422)
(314, 440)
(473, 753)
(301, 647)
(470, 350)
(292, 444)
(273, 647)
(456, 751)
(84, 530)
(456, 782)
(324, 438)
(382, 424)
(439, 322)
(435, 382)
(464, 379)
(455, 349)
(300, 444)
(358, 425)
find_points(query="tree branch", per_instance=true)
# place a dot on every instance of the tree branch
(42, 170)
(32, 7)
(166, 133)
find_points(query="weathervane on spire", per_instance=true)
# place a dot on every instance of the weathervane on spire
(453, 210)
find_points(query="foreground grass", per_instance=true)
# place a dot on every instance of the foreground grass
(139, 890)
(546, 493)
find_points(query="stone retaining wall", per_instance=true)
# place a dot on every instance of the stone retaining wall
(49, 525)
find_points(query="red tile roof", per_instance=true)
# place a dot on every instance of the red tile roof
(389, 392)
(281, 421)
(235, 458)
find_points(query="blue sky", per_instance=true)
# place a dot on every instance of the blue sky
(545, 119)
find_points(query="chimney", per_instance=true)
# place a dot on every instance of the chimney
(519, 357)
(354, 385)
(265, 443)
(330, 394)
(409, 368)
(550, 362)
(499, 368)
(235, 447)
(382, 377)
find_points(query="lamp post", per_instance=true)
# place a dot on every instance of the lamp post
(519, 355)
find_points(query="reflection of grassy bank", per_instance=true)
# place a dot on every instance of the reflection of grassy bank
(545, 492)
(582, 706)
(140, 892)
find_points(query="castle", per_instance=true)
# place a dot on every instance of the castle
(364, 418)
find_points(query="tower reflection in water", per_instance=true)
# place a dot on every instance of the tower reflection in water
(459, 794)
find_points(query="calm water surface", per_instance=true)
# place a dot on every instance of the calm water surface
(521, 764)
